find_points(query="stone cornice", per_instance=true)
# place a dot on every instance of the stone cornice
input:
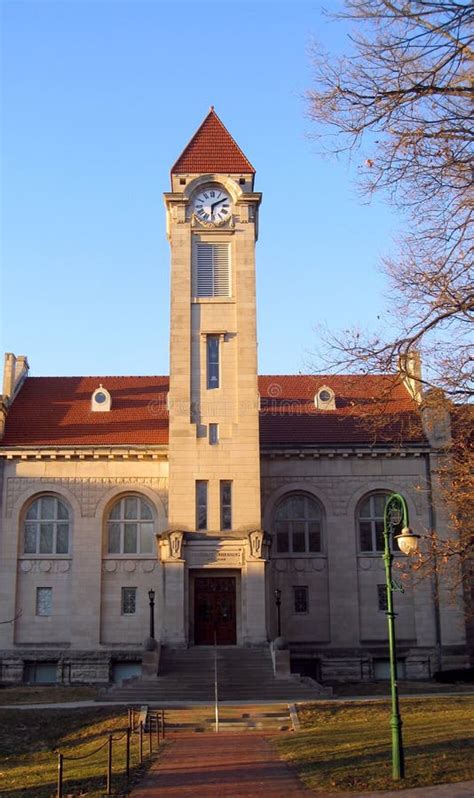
(84, 453)
(361, 451)
(160, 452)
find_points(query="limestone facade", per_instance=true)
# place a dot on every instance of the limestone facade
(343, 629)
(123, 492)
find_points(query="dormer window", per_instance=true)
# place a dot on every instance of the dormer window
(325, 398)
(101, 401)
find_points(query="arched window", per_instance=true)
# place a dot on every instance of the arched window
(297, 525)
(370, 522)
(130, 527)
(47, 527)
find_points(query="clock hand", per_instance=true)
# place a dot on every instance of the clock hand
(218, 203)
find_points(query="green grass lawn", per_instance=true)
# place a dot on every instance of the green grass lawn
(30, 740)
(346, 746)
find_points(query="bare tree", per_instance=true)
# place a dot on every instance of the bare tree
(15, 618)
(403, 99)
(401, 102)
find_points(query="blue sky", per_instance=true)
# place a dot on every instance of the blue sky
(98, 100)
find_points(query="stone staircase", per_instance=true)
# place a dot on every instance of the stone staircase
(243, 674)
(198, 718)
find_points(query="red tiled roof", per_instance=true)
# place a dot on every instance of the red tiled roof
(55, 411)
(212, 149)
(369, 410)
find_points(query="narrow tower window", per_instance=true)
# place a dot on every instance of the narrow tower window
(201, 504)
(44, 600)
(212, 343)
(382, 598)
(129, 600)
(213, 434)
(212, 270)
(300, 599)
(226, 504)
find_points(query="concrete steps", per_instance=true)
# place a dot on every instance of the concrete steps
(271, 717)
(243, 674)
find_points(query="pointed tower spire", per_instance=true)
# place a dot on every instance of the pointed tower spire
(212, 149)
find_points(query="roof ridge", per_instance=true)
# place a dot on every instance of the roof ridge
(99, 377)
(211, 115)
(377, 375)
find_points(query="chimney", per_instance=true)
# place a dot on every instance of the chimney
(409, 366)
(9, 374)
(14, 372)
(3, 416)
(436, 418)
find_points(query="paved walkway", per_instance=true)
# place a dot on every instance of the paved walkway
(227, 765)
(244, 766)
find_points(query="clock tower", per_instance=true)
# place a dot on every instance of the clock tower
(214, 554)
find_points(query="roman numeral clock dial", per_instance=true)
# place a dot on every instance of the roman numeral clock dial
(212, 206)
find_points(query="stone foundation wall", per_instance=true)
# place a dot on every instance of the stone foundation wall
(358, 666)
(72, 667)
(86, 667)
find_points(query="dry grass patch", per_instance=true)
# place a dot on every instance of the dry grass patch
(405, 687)
(46, 694)
(346, 746)
(30, 740)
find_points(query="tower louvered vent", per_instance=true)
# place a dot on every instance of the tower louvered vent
(212, 274)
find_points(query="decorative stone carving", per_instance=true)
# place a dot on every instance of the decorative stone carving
(337, 494)
(336, 491)
(256, 543)
(88, 490)
(299, 564)
(211, 555)
(128, 566)
(43, 566)
(175, 539)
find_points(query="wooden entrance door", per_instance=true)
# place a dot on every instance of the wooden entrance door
(214, 610)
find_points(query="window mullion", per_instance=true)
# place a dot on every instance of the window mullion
(122, 526)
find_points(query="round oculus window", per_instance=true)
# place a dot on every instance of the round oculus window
(100, 398)
(324, 396)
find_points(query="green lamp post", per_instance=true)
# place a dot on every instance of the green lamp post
(395, 512)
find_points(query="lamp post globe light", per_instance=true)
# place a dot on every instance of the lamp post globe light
(395, 512)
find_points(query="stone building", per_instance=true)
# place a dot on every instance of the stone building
(214, 486)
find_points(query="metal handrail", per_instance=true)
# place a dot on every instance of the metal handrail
(131, 728)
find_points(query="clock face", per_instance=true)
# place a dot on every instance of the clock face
(212, 206)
